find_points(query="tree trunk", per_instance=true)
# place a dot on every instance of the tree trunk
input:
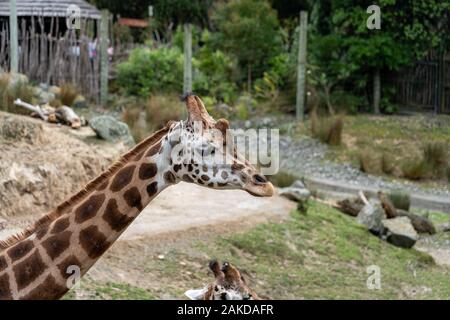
(327, 91)
(249, 79)
(376, 91)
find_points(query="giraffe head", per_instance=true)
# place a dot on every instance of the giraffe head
(228, 285)
(203, 152)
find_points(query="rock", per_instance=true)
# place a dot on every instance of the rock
(43, 96)
(350, 206)
(420, 224)
(55, 90)
(400, 232)
(298, 184)
(109, 129)
(444, 227)
(20, 128)
(371, 215)
(295, 194)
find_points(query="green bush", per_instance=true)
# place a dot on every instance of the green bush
(415, 169)
(327, 130)
(150, 71)
(435, 155)
(400, 199)
(369, 163)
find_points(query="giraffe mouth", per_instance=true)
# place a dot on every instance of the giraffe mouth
(260, 189)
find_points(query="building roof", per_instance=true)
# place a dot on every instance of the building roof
(138, 23)
(49, 8)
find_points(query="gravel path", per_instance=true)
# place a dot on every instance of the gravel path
(305, 157)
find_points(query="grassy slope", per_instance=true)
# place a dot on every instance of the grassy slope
(320, 254)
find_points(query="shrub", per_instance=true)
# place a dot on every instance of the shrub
(415, 169)
(435, 155)
(145, 118)
(68, 94)
(8, 93)
(346, 102)
(400, 199)
(369, 163)
(387, 164)
(150, 71)
(283, 179)
(328, 130)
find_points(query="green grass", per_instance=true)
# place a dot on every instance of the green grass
(112, 291)
(322, 254)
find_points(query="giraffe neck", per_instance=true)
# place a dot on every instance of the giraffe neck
(40, 265)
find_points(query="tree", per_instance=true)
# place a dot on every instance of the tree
(408, 30)
(249, 30)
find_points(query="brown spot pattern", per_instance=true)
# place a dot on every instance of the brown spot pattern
(152, 188)
(154, 150)
(147, 171)
(42, 231)
(89, 209)
(122, 178)
(169, 177)
(205, 177)
(20, 250)
(64, 265)
(177, 167)
(5, 292)
(187, 178)
(60, 225)
(93, 242)
(133, 198)
(28, 270)
(224, 175)
(236, 166)
(3, 263)
(116, 220)
(103, 186)
(47, 290)
(55, 245)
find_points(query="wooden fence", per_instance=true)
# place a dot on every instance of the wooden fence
(426, 85)
(50, 56)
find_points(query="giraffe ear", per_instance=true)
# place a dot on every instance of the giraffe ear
(223, 126)
(196, 294)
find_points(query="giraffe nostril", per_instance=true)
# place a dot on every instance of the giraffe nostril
(259, 179)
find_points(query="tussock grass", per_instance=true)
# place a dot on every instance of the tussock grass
(400, 199)
(68, 94)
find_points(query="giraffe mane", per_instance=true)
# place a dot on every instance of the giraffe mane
(92, 185)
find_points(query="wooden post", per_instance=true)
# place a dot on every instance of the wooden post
(376, 91)
(14, 41)
(301, 66)
(104, 58)
(187, 83)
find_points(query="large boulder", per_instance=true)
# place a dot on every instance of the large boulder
(400, 232)
(371, 216)
(110, 129)
(421, 224)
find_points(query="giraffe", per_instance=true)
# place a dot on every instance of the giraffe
(35, 263)
(228, 284)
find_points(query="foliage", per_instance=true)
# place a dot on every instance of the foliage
(145, 117)
(400, 199)
(10, 92)
(249, 30)
(369, 163)
(435, 154)
(150, 71)
(328, 130)
(215, 73)
(343, 48)
(416, 169)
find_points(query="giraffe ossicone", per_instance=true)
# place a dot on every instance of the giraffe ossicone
(34, 264)
(228, 284)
